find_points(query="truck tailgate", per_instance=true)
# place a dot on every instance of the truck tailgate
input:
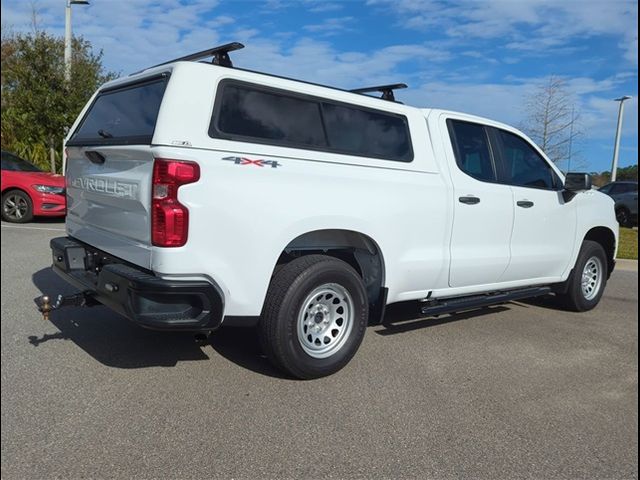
(109, 199)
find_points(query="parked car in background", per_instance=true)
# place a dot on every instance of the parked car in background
(27, 191)
(625, 195)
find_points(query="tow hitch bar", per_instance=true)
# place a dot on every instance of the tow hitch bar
(82, 299)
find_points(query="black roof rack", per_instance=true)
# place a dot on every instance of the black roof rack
(386, 90)
(220, 56)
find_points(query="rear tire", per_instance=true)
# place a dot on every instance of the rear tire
(588, 279)
(17, 207)
(314, 317)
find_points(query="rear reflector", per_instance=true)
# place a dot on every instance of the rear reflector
(169, 218)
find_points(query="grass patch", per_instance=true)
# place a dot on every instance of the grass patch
(628, 247)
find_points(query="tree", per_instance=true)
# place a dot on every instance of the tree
(37, 104)
(552, 121)
(629, 173)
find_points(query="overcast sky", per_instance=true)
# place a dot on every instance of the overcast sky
(481, 57)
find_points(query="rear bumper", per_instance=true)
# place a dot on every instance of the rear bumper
(137, 294)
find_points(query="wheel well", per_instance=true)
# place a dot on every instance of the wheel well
(357, 249)
(10, 189)
(607, 239)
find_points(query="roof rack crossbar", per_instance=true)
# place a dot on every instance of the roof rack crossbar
(386, 90)
(220, 56)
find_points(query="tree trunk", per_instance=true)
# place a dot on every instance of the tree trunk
(52, 156)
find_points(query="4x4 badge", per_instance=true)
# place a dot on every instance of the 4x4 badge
(248, 161)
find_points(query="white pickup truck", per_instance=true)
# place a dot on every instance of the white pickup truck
(202, 195)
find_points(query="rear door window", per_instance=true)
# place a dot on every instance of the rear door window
(122, 116)
(471, 147)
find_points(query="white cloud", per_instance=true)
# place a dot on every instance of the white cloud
(548, 23)
(505, 102)
(132, 33)
(331, 26)
(600, 115)
(323, 7)
(318, 61)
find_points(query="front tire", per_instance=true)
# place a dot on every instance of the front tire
(17, 207)
(588, 279)
(314, 317)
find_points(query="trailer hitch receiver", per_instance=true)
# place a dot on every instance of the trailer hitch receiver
(46, 306)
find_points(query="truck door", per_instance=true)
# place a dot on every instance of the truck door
(544, 227)
(483, 208)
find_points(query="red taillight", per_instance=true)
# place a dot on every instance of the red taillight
(169, 218)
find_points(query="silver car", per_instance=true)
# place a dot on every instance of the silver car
(625, 195)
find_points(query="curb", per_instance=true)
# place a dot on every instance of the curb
(626, 265)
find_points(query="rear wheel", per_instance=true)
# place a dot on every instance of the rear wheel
(588, 279)
(315, 316)
(17, 207)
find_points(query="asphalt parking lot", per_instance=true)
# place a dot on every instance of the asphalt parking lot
(516, 391)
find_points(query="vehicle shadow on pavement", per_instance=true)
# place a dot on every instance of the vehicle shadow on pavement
(116, 342)
(240, 346)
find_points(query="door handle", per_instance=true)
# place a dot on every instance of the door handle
(469, 200)
(525, 203)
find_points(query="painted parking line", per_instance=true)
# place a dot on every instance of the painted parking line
(33, 228)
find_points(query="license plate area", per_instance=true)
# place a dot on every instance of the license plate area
(69, 258)
(76, 258)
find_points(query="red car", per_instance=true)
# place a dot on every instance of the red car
(27, 191)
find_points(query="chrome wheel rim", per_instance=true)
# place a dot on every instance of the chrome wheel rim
(15, 207)
(325, 320)
(592, 278)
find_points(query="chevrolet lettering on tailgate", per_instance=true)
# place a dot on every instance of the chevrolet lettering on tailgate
(115, 188)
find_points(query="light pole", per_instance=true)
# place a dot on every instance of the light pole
(573, 120)
(67, 65)
(616, 147)
(67, 36)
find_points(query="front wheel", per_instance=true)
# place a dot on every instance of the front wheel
(588, 279)
(314, 317)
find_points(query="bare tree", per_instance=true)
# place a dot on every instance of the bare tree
(552, 122)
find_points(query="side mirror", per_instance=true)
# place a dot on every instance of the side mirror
(577, 182)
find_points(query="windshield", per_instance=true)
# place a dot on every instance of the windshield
(16, 164)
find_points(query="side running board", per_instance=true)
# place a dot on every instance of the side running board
(450, 305)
